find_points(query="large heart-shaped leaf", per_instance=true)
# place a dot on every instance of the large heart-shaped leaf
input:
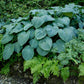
(59, 46)
(45, 44)
(33, 43)
(66, 34)
(51, 30)
(42, 52)
(23, 37)
(6, 38)
(39, 21)
(17, 28)
(40, 33)
(8, 51)
(64, 21)
(28, 53)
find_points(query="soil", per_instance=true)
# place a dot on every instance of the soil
(17, 76)
(15, 79)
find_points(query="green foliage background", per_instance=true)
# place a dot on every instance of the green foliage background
(17, 8)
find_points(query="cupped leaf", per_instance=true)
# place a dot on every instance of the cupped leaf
(23, 37)
(33, 43)
(66, 34)
(27, 26)
(8, 51)
(45, 44)
(6, 38)
(42, 52)
(39, 21)
(17, 28)
(9, 27)
(64, 21)
(59, 46)
(17, 47)
(47, 18)
(51, 30)
(40, 33)
(28, 53)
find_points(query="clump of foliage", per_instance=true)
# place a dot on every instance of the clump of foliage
(42, 66)
(42, 31)
(49, 40)
(60, 64)
(5, 65)
(74, 50)
(18, 8)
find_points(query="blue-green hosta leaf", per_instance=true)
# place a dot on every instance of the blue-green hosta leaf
(64, 62)
(64, 21)
(58, 9)
(45, 44)
(23, 37)
(8, 51)
(33, 43)
(42, 52)
(51, 30)
(39, 21)
(40, 33)
(81, 24)
(47, 18)
(22, 18)
(1, 31)
(6, 38)
(39, 12)
(51, 12)
(32, 33)
(59, 46)
(27, 26)
(28, 53)
(9, 27)
(1, 24)
(66, 34)
(75, 31)
(71, 8)
(58, 24)
(17, 47)
(17, 28)
(82, 10)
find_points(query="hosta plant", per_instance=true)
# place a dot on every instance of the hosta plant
(67, 64)
(42, 31)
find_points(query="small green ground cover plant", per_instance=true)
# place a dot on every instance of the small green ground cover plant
(49, 40)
